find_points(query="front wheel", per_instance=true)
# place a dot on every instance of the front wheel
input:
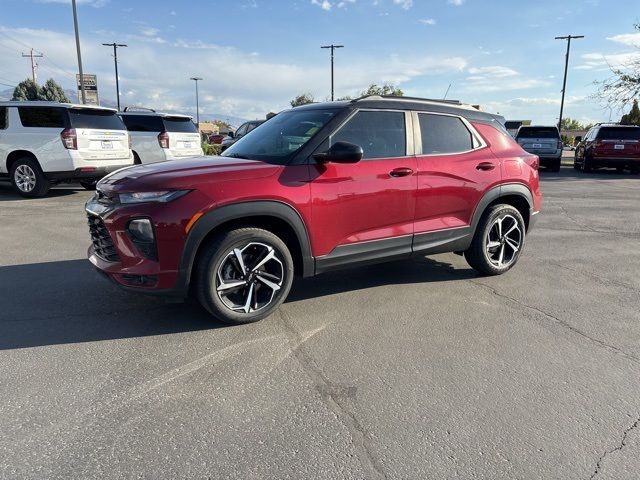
(28, 179)
(498, 240)
(244, 275)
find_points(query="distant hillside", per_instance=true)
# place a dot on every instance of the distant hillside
(73, 96)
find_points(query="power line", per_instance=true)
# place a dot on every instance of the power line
(332, 47)
(115, 61)
(34, 64)
(566, 67)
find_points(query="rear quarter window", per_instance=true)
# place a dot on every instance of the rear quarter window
(42, 117)
(534, 132)
(98, 119)
(442, 134)
(182, 125)
(143, 123)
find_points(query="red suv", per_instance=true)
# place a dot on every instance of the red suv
(609, 145)
(313, 189)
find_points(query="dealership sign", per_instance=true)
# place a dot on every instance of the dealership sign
(90, 89)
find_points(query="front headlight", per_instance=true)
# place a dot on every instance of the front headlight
(163, 196)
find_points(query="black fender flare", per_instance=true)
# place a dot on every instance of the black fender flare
(501, 191)
(237, 211)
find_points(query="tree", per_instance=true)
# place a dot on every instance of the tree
(53, 92)
(570, 124)
(29, 90)
(26, 90)
(623, 85)
(633, 117)
(386, 89)
(302, 100)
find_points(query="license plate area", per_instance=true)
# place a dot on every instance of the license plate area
(537, 145)
(186, 144)
(106, 144)
(618, 147)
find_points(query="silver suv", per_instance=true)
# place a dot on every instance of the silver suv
(545, 142)
(44, 143)
(158, 137)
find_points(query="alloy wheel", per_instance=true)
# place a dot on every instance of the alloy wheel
(25, 178)
(503, 241)
(249, 277)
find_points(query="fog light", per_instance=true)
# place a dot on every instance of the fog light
(141, 230)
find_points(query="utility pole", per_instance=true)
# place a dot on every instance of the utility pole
(115, 61)
(196, 79)
(34, 65)
(75, 26)
(566, 67)
(332, 47)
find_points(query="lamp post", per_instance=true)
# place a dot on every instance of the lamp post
(197, 79)
(332, 47)
(566, 66)
(115, 61)
(75, 26)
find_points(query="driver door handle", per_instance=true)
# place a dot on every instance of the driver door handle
(485, 166)
(401, 172)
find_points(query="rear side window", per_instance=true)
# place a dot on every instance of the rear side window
(538, 132)
(42, 117)
(442, 134)
(177, 124)
(613, 133)
(3, 118)
(143, 123)
(380, 134)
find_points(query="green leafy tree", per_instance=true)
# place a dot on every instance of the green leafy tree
(386, 89)
(624, 83)
(633, 117)
(570, 124)
(26, 90)
(302, 100)
(29, 90)
(53, 92)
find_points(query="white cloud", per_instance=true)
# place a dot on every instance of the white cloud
(149, 31)
(405, 4)
(427, 21)
(324, 4)
(496, 78)
(457, 3)
(632, 39)
(495, 71)
(602, 62)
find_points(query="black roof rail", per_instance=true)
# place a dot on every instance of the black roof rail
(419, 99)
(137, 109)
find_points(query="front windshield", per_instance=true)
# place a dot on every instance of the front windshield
(278, 139)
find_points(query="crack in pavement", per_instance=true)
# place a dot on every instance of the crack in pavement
(339, 399)
(618, 448)
(561, 322)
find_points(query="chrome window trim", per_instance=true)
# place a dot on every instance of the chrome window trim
(409, 148)
(477, 139)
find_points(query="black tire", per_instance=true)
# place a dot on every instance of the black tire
(620, 169)
(136, 159)
(635, 169)
(479, 256)
(555, 167)
(586, 164)
(27, 178)
(89, 184)
(219, 260)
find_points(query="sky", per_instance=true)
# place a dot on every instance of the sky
(256, 55)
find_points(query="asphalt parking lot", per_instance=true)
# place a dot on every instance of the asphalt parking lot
(416, 369)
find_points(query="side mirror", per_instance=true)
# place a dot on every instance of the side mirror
(578, 139)
(231, 134)
(341, 152)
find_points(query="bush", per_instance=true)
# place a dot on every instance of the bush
(211, 149)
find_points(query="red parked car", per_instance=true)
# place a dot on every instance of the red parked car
(609, 145)
(316, 188)
(215, 138)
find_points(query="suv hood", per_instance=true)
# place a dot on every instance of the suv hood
(185, 173)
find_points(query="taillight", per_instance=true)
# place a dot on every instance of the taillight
(560, 145)
(163, 139)
(69, 138)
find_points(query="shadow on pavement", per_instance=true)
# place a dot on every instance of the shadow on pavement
(568, 173)
(7, 193)
(68, 302)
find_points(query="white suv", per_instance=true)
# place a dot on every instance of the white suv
(43, 143)
(157, 137)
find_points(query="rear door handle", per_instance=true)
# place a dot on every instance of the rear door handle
(401, 172)
(485, 166)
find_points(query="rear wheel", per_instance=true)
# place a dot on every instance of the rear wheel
(244, 275)
(556, 166)
(136, 159)
(635, 169)
(27, 178)
(586, 164)
(498, 240)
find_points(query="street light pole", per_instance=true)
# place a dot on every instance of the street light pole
(566, 67)
(332, 47)
(115, 61)
(196, 79)
(75, 25)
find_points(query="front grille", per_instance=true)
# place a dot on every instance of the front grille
(102, 243)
